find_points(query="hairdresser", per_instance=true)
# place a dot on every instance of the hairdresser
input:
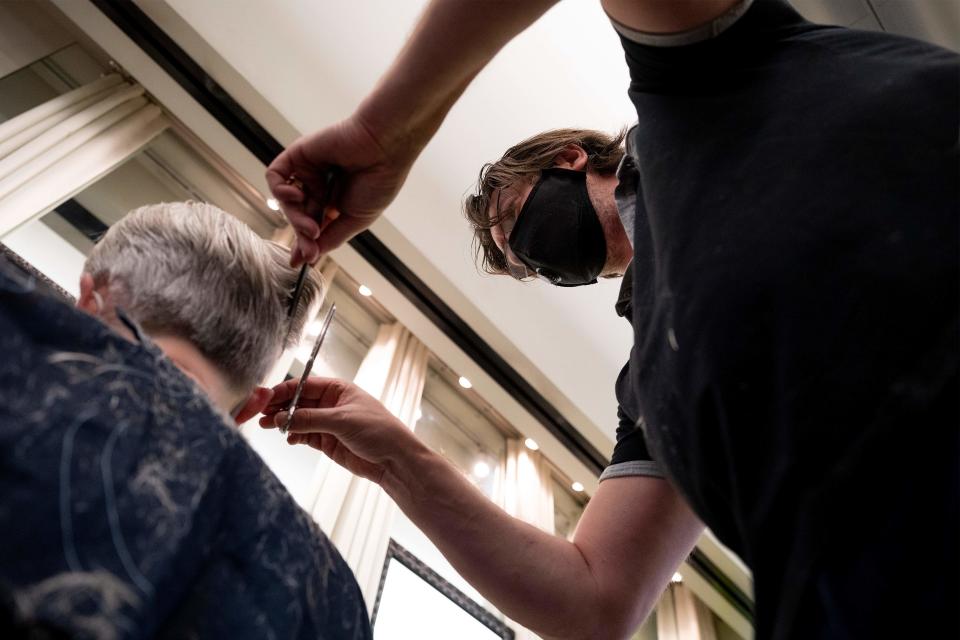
(790, 199)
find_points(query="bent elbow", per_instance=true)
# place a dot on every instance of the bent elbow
(620, 617)
(613, 621)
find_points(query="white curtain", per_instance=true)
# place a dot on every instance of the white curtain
(528, 495)
(527, 486)
(58, 148)
(356, 514)
(682, 616)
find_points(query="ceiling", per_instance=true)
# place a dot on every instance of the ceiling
(299, 65)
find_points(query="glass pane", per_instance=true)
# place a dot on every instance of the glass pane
(648, 630)
(50, 252)
(411, 608)
(356, 313)
(341, 355)
(36, 83)
(567, 510)
(21, 91)
(416, 542)
(451, 425)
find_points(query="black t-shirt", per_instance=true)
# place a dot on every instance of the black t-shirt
(795, 283)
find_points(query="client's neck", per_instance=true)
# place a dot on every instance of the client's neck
(196, 366)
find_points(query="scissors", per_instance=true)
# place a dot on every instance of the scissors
(328, 184)
(306, 369)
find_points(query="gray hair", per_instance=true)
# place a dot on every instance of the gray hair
(192, 270)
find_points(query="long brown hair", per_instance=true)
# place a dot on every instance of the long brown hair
(524, 161)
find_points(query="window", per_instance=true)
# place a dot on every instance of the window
(46, 78)
(454, 423)
(407, 534)
(352, 332)
(416, 602)
(567, 508)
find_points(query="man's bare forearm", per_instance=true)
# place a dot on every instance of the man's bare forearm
(539, 580)
(452, 42)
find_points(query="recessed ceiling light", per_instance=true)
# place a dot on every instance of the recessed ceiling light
(531, 444)
(417, 415)
(465, 383)
(576, 486)
(481, 470)
(365, 290)
(676, 578)
(273, 204)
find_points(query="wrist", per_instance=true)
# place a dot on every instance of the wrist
(394, 128)
(415, 475)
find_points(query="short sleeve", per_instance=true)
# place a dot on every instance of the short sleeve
(630, 455)
(710, 56)
(702, 33)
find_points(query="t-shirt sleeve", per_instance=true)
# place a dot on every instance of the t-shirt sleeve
(630, 455)
(707, 57)
(702, 33)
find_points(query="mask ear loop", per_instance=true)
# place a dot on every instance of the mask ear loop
(505, 246)
(515, 266)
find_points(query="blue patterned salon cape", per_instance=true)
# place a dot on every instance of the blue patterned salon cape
(129, 507)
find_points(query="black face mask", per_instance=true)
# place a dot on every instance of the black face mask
(558, 234)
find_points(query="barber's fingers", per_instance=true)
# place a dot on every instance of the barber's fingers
(338, 230)
(314, 440)
(320, 441)
(296, 257)
(318, 391)
(334, 449)
(292, 198)
(305, 420)
(314, 240)
(285, 192)
(259, 398)
(314, 387)
(307, 248)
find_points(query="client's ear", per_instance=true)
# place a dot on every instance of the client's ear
(257, 401)
(87, 301)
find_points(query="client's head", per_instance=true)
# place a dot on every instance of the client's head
(209, 291)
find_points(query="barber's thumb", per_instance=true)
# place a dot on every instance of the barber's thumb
(335, 234)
